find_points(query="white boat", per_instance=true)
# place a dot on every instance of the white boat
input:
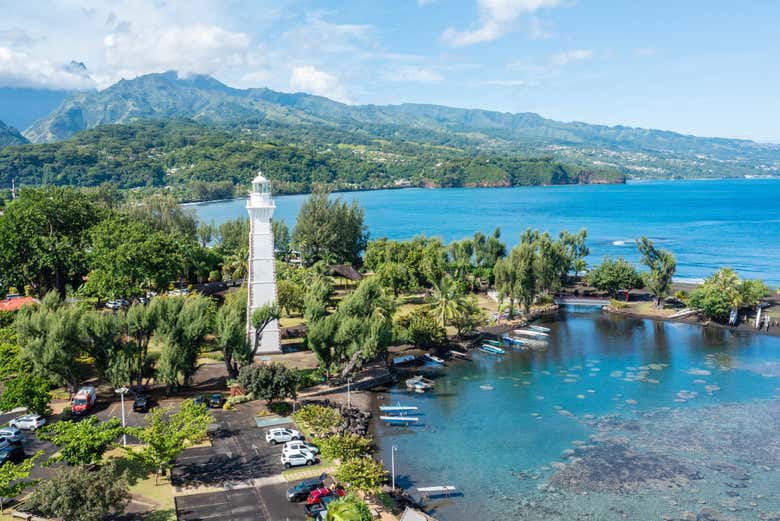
(399, 419)
(541, 329)
(512, 340)
(531, 333)
(432, 360)
(418, 384)
(398, 408)
(491, 349)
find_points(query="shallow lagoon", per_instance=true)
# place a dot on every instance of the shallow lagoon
(619, 418)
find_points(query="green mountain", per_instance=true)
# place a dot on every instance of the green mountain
(638, 152)
(10, 136)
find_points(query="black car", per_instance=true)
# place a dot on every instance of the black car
(13, 452)
(216, 401)
(199, 399)
(301, 491)
(141, 403)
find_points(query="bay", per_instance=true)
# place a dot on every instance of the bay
(706, 224)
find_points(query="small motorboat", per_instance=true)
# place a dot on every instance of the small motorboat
(399, 420)
(541, 329)
(398, 408)
(531, 333)
(418, 384)
(431, 360)
(512, 340)
(495, 343)
(491, 349)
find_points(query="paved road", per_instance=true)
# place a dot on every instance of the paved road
(243, 463)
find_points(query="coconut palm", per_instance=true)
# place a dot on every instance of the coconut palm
(446, 301)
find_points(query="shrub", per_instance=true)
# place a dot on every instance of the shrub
(242, 398)
(269, 381)
(365, 473)
(345, 446)
(349, 507)
(317, 419)
(420, 328)
(682, 296)
(26, 391)
(617, 304)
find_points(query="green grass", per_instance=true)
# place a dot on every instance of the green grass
(297, 473)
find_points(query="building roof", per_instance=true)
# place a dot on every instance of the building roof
(415, 515)
(260, 178)
(346, 271)
(15, 303)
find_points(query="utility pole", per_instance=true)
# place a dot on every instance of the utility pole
(392, 463)
(121, 392)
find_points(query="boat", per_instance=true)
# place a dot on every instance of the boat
(399, 420)
(491, 349)
(541, 329)
(398, 408)
(512, 340)
(418, 384)
(458, 354)
(531, 333)
(404, 359)
(432, 360)
(494, 343)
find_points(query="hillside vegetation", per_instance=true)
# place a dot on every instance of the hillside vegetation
(206, 163)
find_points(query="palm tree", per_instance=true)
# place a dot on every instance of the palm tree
(446, 301)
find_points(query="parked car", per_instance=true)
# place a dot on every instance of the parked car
(13, 453)
(141, 403)
(116, 304)
(83, 400)
(281, 435)
(199, 399)
(298, 459)
(300, 491)
(28, 422)
(216, 401)
(316, 495)
(319, 510)
(301, 446)
(12, 434)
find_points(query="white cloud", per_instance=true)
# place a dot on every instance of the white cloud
(538, 29)
(414, 75)
(197, 49)
(645, 51)
(574, 55)
(308, 78)
(496, 18)
(18, 69)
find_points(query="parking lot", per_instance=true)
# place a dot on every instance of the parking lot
(244, 464)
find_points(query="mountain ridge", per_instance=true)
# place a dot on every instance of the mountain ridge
(10, 136)
(165, 96)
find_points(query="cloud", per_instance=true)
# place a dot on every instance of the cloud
(538, 30)
(197, 49)
(645, 51)
(15, 37)
(414, 75)
(308, 78)
(574, 55)
(496, 18)
(18, 69)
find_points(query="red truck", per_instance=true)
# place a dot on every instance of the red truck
(83, 400)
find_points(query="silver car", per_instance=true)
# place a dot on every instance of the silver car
(28, 422)
(12, 434)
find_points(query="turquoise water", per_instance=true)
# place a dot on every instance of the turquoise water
(618, 418)
(706, 224)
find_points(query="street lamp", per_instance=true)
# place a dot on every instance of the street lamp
(121, 392)
(392, 463)
(349, 402)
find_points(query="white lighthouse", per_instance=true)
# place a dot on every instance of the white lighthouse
(261, 287)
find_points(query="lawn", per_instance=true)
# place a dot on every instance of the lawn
(143, 487)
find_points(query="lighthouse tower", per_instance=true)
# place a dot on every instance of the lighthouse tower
(262, 263)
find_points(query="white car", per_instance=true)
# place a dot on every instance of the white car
(302, 446)
(297, 459)
(11, 434)
(28, 422)
(281, 435)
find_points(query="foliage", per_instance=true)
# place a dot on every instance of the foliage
(290, 296)
(419, 328)
(103, 333)
(13, 478)
(348, 508)
(364, 473)
(230, 332)
(11, 361)
(662, 266)
(613, 276)
(182, 326)
(168, 432)
(269, 381)
(344, 446)
(359, 330)
(317, 299)
(141, 324)
(329, 229)
(78, 494)
(43, 237)
(318, 419)
(617, 304)
(261, 318)
(447, 301)
(281, 236)
(83, 442)
(27, 391)
(50, 336)
(395, 277)
(724, 291)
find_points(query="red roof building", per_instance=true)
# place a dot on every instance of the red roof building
(15, 303)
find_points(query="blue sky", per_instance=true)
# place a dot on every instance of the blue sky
(707, 68)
